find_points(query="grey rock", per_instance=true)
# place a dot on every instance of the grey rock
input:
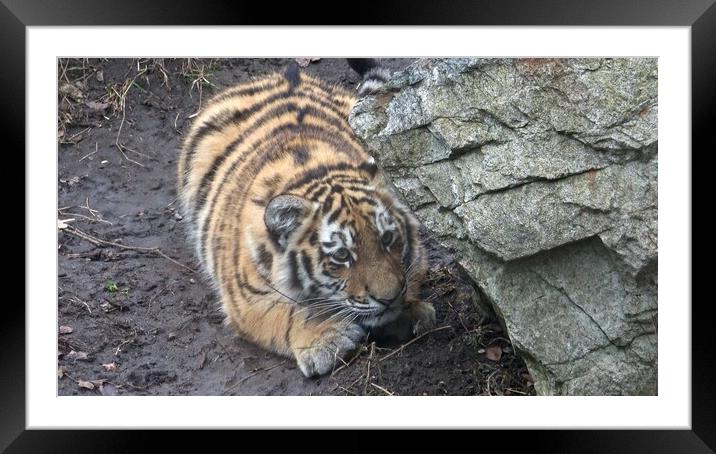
(541, 176)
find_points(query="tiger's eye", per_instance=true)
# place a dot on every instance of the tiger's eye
(387, 239)
(341, 255)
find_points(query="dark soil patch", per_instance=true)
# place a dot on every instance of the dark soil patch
(149, 325)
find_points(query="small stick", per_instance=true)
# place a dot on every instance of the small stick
(254, 373)
(119, 347)
(347, 391)
(400, 349)
(76, 134)
(360, 351)
(515, 391)
(98, 241)
(228, 355)
(90, 154)
(175, 123)
(367, 377)
(83, 217)
(382, 389)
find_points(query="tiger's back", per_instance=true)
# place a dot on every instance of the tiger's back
(274, 185)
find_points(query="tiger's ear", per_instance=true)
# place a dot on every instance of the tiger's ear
(284, 214)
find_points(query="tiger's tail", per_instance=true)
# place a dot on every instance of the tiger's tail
(372, 73)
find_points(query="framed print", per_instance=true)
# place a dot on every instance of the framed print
(396, 224)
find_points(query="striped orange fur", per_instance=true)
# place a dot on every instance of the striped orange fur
(294, 223)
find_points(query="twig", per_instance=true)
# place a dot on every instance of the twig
(122, 100)
(98, 241)
(253, 374)
(175, 123)
(400, 349)
(69, 140)
(83, 217)
(367, 376)
(91, 211)
(515, 391)
(348, 391)
(90, 154)
(382, 389)
(360, 352)
(225, 350)
(119, 347)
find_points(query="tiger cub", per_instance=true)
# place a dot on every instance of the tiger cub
(294, 222)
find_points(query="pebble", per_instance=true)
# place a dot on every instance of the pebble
(178, 216)
(192, 281)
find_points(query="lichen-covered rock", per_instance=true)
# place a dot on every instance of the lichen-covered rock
(541, 175)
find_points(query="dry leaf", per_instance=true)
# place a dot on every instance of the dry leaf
(99, 383)
(62, 223)
(85, 384)
(65, 329)
(110, 367)
(77, 355)
(61, 371)
(303, 62)
(72, 91)
(493, 352)
(97, 106)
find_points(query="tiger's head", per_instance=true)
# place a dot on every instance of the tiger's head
(353, 252)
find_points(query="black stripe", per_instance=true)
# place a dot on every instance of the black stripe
(317, 195)
(252, 289)
(244, 283)
(327, 204)
(332, 178)
(287, 334)
(307, 265)
(371, 168)
(292, 75)
(250, 90)
(265, 257)
(409, 234)
(293, 270)
(272, 182)
(365, 199)
(337, 212)
(316, 173)
(301, 115)
(300, 156)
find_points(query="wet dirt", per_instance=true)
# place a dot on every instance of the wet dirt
(134, 319)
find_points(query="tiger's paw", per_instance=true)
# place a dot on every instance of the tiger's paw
(422, 315)
(329, 351)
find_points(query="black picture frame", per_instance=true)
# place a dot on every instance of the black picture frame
(700, 15)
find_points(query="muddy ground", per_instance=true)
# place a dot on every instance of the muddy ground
(134, 319)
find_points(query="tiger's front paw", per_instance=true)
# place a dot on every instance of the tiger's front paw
(422, 316)
(329, 351)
